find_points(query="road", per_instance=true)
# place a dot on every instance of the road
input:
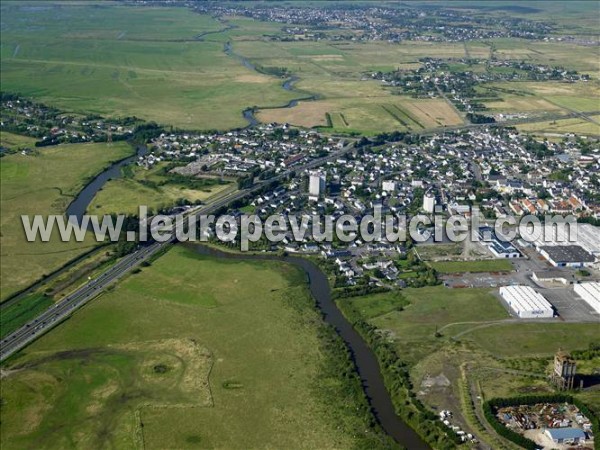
(63, 309)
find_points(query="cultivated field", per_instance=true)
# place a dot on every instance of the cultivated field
(44, 183)
(578, 125)
(106, 60)
(189, 353)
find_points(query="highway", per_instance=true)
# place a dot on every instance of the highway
(65, 307)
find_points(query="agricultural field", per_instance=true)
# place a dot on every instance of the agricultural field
(44, 183)
(590, 126)
(368, 115)
(578, 57)
(546, 97)
(105, 60)
(151, 188)
(181, 355)
(153, 63)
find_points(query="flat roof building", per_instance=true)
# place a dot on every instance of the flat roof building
(590, 292)
(499, 247)
(526, 303)
(566, 255)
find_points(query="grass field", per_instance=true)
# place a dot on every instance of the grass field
(16, 141)
(577, 125)
(44, 183)
(488, 265)
(125, 195)
(191, 352)
(118, 60)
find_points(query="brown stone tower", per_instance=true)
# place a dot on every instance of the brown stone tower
(563, 375)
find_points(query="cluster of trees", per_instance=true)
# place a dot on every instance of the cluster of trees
(480, 118)
(491, 406)
(275, 71)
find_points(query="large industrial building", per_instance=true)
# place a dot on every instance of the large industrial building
(582, 235)
(501, 248)
(573, 256)
(526, 303)
(590, 292)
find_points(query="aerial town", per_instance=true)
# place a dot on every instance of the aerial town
(343, 224)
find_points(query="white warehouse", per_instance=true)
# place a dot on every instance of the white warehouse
(590, 292)
(526, 303)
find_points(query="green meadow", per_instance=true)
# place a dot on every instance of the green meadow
(190, 352)
(119, 61)
(44, 182)
(151, 188)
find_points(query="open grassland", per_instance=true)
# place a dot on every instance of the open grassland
(433, 308)
(577, 125)
(168, 65)
(44, 183)
(145, 187)
(488, 265)
(117, 61)
(16, 142)
(533, 339)
(190, 352)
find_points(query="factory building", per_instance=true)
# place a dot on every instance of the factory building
(500, 248)
(573, 256)
(316, 185)
(590, 292)
(526, 303)
(585, 235)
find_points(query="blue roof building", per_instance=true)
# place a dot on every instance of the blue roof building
(567, 435)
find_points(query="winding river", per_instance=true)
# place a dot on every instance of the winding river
(288, 85)
(82, 201)
(364, 358)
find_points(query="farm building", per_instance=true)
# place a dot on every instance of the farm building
(566, 255)
(590, 292)
(566, 435)
(526, 303)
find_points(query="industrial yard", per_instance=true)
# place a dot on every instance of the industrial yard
(552, 425)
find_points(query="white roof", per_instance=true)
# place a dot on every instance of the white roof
(587, 236)
(524, 298)
(590, 292)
